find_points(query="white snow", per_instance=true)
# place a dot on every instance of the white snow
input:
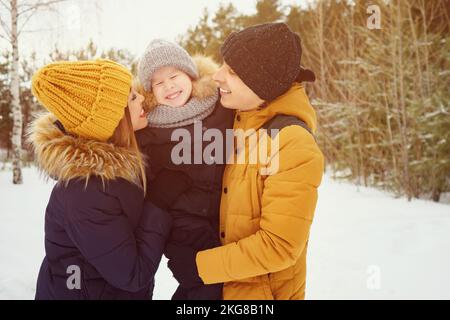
(361, 234)
(364, 244)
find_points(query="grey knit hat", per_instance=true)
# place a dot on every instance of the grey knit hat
(161, 53)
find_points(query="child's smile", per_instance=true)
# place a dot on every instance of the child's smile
(174, 95)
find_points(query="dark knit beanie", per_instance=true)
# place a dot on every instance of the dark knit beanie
(267, 59)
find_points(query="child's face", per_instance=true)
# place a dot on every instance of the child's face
(234, 93)
(171, 87)
(138, 117)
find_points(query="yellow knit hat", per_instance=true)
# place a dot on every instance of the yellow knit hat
(87, 97)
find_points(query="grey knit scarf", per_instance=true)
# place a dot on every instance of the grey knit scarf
(195, 109)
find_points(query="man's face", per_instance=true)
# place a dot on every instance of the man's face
(234, 93)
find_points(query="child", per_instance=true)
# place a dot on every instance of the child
(179, 92)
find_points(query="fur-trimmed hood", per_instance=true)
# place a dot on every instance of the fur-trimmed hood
(202, 87)
(65, 157)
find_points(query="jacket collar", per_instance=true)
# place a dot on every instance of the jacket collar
(65, 157)
(294, 102)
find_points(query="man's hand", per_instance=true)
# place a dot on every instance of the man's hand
(183, 266)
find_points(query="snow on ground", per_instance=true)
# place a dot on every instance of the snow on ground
(364, 244)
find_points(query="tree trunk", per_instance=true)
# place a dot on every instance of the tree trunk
(16, 137)
(404, 124)
(321, 52)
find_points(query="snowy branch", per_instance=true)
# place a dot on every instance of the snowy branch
(32, 9)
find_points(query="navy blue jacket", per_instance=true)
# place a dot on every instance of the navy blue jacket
(102, 241)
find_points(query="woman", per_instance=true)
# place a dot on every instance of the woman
(101, 240)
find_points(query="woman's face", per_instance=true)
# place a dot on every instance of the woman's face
(234, 93)
(171, 87)
(137, 114)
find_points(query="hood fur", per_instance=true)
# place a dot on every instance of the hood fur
(203, 87)
(65, 157)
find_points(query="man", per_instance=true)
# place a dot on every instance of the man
(267, 207)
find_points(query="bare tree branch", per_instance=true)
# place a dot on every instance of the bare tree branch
(33, 9)
(25, 22)
(5, 38)
(38, 5)
(5, 28)
(3, 3)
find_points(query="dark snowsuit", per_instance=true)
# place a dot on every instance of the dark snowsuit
(196, 212)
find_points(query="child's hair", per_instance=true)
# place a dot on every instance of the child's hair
(123, 136)
(149, 98)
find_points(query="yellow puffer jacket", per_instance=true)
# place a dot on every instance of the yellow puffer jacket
(265, 218)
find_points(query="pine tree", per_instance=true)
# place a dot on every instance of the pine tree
(381, 95)
(266, 11)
